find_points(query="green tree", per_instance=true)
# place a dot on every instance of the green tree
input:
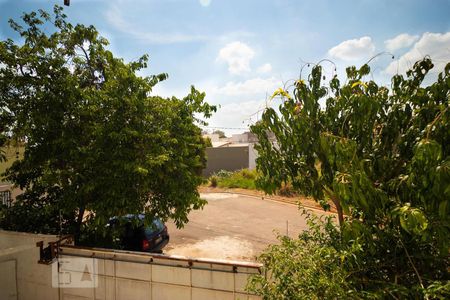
(208, 142)
(220, 133)
(382, 157)
(2, 152)
(96, 140)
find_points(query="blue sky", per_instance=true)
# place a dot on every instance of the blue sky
(239, 52)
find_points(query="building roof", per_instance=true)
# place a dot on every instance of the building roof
(219, 144)
(238, 145)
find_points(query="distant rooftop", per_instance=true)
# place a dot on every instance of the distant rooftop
(219, 144)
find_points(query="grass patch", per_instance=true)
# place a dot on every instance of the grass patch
(244, 179)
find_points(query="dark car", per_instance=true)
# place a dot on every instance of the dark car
(135, 236)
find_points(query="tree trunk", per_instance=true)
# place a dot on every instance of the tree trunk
(78, 224)
(339, 212)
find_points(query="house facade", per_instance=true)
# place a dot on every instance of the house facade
(8, 193)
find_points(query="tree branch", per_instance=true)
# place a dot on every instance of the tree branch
(441, 113)
(337, 203)
(412, 264)
(88, 61)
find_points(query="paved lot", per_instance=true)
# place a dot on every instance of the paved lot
(234, 227)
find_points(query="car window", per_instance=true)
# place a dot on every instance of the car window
(157, 227)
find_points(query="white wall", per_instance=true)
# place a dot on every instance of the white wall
(121, 274)
(239, 138)
(4, 186)
(131, 275)
(214, 137)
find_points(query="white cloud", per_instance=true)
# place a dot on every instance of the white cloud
(266, 68)
(353, 49)
(400, 41)
(435, 45)
(249, 87)
(205, 2)
(115, 18)
(237, 55)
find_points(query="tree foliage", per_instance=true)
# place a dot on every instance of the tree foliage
(220, 133)
(309, 267)
(96, 139)
(382, 156)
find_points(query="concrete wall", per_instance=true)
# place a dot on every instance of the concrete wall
(226, 158)
(121, 274)
(21, 277)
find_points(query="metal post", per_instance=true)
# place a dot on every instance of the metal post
(287, 228)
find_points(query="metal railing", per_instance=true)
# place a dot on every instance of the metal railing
(49, 253)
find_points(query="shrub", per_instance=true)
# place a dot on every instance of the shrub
(319, 264)
(223, 173)
(309, 267)
(244, 179)
(286, 190)
(248, 174)
(213, 181)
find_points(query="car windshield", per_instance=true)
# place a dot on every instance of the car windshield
(157, 227)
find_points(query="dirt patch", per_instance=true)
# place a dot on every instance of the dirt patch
(222, 247)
